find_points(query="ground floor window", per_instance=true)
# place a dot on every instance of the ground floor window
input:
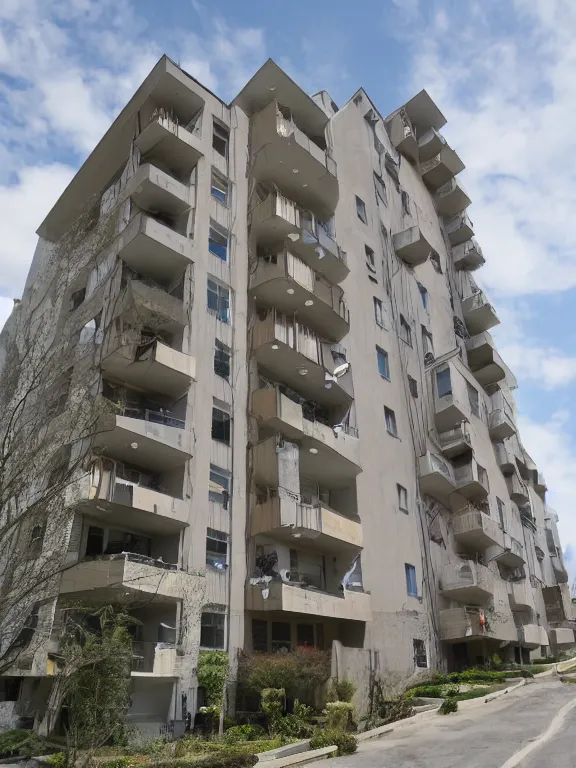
(212, 630)
(420, 657)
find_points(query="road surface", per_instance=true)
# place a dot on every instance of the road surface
(533, 726)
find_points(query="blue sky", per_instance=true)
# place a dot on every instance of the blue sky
(504, 74)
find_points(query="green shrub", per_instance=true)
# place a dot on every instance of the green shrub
(212, 672)
(343, 690)
(272, 704)
(339, 715)
(296, 725)
(346, 742)
(549, 660)
(427, 691)
(448, 705)
(479, 676)
(222, 759)
(395, 709)
(475, 693)
(19, 741)
(58, 760)
(247, 732)
(299, 670)
(119, 762)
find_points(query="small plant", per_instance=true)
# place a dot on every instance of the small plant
(58, 760)
(426, 691)
(448, 705)
(339, 715)
(272, 704)
(496, 661)
(346, 742)
(246, 732)
(453, 690)
(343, 690)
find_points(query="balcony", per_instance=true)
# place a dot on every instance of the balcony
(286, 282)
(505, 458)
(517, 489)
(152, 439)
(459, 229)
(297, 357)
(484, 361)
(277, 411)
(441, 168)
(530, 635)
(155, 660)
(513, 554)
(282, 517)
(476, 530)
(559, 569)
(150, 365)
(471, 479)
(430, 145)
(169, 143)
(562, 637)
(411, 246)
(469, 583)
(501, 424)
(558, 603)
(468, 255)
(423, 113)
(451, 198)
(284, 155)
(520, 595)
(153, 249)
(127, 577)
(463, 624)
(540, 483)
(144, 304)
(479, 314)
(402, 135)
(456, 441)
(292, 598)
(157, 192)
(435, 477)
(451, 398)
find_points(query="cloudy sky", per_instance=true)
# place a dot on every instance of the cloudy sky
(504, 73)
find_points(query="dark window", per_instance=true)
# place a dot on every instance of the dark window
(405, 202)
(95, 541)
(370, 258)
(218, 241)
(402, 497)
(413, 386)
(501, 513)
(259, 635)
(37, 540)
(380, 188)
(281, 636)
(390, 417)
(443, 383)
(77, 298)
(212, 630)
(219, 300)
(220, 138)
(405, 331)
(473, 399)
(435, 259)
(420, 657)
(220, 426)
(216, 548)
(378, 312)
(372, 279)
(219, 485)
(427, 341)
(411, 584)
(423, 295)
(305, 635)
(383, 365)
(222, 360)
(10, 688)
(219, 188)
(361, 210)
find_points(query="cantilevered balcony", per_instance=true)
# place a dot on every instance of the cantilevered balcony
(297, 357)
(452, 404)
(471, 479)
(505, 457)
(517, 489)
(468, 255)
(153, 660)
(284, 155)
(484, 360)
(467, 582)
(459, 228)
(520, 595)
(530, 635)
(284, 281)
(402, 134)
(476, 530)
(512, 554)
(430, 144)
(561, 637)
(153, 249)
(411, 246)
(441, 168)
(451, 198)
(167, 142)
(155, 191)
(436, 477)
(356, 606)
(285, 519)
(455, 441)
(143, 304)
(479, 314)
(127, 577)
(501, 423)
(540, 483)
(276, 411)
(423, 113)
(274, 218)
(463, 624)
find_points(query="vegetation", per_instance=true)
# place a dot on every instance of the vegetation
(346, 742)
(342, 690)
(448, 705)
(339, 716)
(20, 742)
(212, 674)
(246, 732)
(299, 671)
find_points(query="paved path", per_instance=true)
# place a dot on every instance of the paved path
(509, 732)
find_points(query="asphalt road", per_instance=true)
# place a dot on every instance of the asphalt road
(531, 727)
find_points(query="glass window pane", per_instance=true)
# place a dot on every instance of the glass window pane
(443, 383)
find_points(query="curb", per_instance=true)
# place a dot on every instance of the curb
(288, 749)
(302, 757)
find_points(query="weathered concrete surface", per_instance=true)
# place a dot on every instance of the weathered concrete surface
(483, 737)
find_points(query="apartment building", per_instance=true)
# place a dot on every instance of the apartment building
(307, 437)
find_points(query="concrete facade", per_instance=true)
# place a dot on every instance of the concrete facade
(309, 438)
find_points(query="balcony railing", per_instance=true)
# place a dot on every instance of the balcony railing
(474, 529)
(468, 255)
(469, 582)
(479, 314)
(150, 658)
(294, 598)
(471, 480)
(451, 198)
(411, 246)
(455, 441)
(436, 477)
(459, 228)
(441, 168)
(154, 414)
(402, 134)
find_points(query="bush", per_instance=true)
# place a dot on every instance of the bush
(474, 693)
(119, 762)
(299, 670)
(19, 741)
(272, 704)
(296, 725)
(448, 705)
(428, 691)
(479, 675)
(346, 742)
(343, 690)
(395, 709)
(59, 760)
(247, 732)
(222, 759)
(339, 715)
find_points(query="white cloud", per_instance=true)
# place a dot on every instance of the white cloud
(548, 367)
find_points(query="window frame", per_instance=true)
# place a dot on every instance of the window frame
(383, 357)
(228, 421)
(370, 258)
(412, 386)
(219, 241)
(222, 474)
(424, 295)
(427, 340)
(215, 559)
(411, 580)
(220, 132)
(378, 312)
(405, 331)
(390, 420)
(216, 629)
(402, 495)
(221, 351)
(440, 391)
(501, 506)
(420, 651)
(474, 403)
(361, 210)
(223, 295)
(216, 179)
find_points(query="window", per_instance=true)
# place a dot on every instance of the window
(378, 312)
(501, 513)
(361, 210)
(219, 300)
(259, 635)
(216, 548)
(405, 331)
(220, 425)
(402, 497)
(380, 188)
(383, 365)
(411, 585)
(370, 260)
(390, 417)
(413, 386)
(420, 658)
(212, 630)
(423, 295)
(222, 360)
(427, 341)
(473, 399)
(305, 636)
(220, 138)
(372, 279)
(218, 241)
(443, 383)
(219, 187)
(219, 485)
(77, 298)
(91, 332)
(435, 259)
(405, 202)
(281, 636)
(37, 540)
